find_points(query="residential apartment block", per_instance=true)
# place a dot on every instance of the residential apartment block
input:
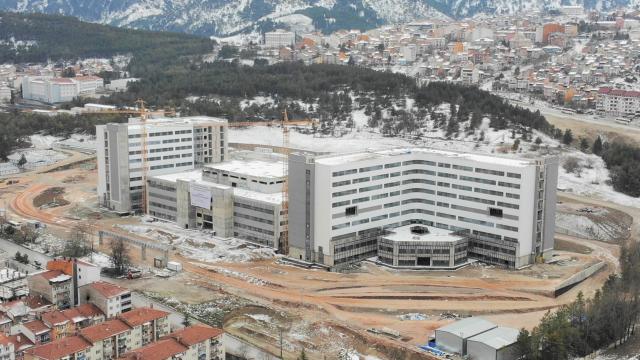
(172, 145)
(196, 342)
(618, 102)
(111, 299)
(279, 38)
(107, 340)
(342, 206)
(54, 286)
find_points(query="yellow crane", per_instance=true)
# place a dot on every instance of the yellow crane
(285, 124)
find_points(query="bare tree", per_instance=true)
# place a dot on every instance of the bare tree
(120, 256)
(77, 244)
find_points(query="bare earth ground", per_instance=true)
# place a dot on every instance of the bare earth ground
(317, 307)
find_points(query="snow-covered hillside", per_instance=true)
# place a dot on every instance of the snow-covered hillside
(228, 17)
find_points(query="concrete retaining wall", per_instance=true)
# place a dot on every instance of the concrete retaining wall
(578, 278)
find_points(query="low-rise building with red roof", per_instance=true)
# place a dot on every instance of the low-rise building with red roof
(161, 350)
(110, 298)
(203, 342)
(69, 348)
(147, 324)
(36, 331)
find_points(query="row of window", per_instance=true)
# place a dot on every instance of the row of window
(253, 228)
(162, 206)
(254, 208)
(253, 218)
(424, 191)
(425, 162)
(422, 211)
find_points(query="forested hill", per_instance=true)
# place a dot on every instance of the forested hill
(38, 38)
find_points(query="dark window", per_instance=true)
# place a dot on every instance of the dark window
(351, 211)
(495, 212)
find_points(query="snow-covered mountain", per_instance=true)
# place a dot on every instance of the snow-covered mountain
(226, 17)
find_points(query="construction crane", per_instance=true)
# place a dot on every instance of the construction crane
(285, 124)
(144, 113)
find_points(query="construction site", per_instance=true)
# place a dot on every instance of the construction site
(260, 296)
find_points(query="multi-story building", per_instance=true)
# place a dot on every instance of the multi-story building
(341, 206)
(56, 90)
(69, 348)
(53, 285)
(67, 322)
(82, 272)
(618, 102)
(111, 299)
(147, 325)
(107, 340)
(279, 38)
(172, 145)
(196, 342)
(238, 198)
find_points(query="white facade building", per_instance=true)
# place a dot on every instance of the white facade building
(173, 145)
(279, 38)
(618, 102)
(341, 205)
(56, 90)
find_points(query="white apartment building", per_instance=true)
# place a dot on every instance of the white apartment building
(341, 206)
(56, 90)
(172, 145)
(111, 299)
(618, 102)
(279, 38)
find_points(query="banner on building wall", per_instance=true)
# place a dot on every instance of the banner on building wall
(200, 196)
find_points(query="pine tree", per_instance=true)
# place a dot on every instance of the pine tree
(584, 145)
(597, 146)
(22, 161)
(567, 138)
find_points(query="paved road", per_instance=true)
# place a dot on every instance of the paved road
(9, 249)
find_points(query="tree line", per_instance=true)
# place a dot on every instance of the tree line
(15, 128)
(586, 325)
(41, 38)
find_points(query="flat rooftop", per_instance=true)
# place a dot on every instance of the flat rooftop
(340, 159)
(258, 168)
(435, 234)
(196, 176)
(134, 122)
(7, 275)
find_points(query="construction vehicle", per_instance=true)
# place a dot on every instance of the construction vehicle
(285, 124)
